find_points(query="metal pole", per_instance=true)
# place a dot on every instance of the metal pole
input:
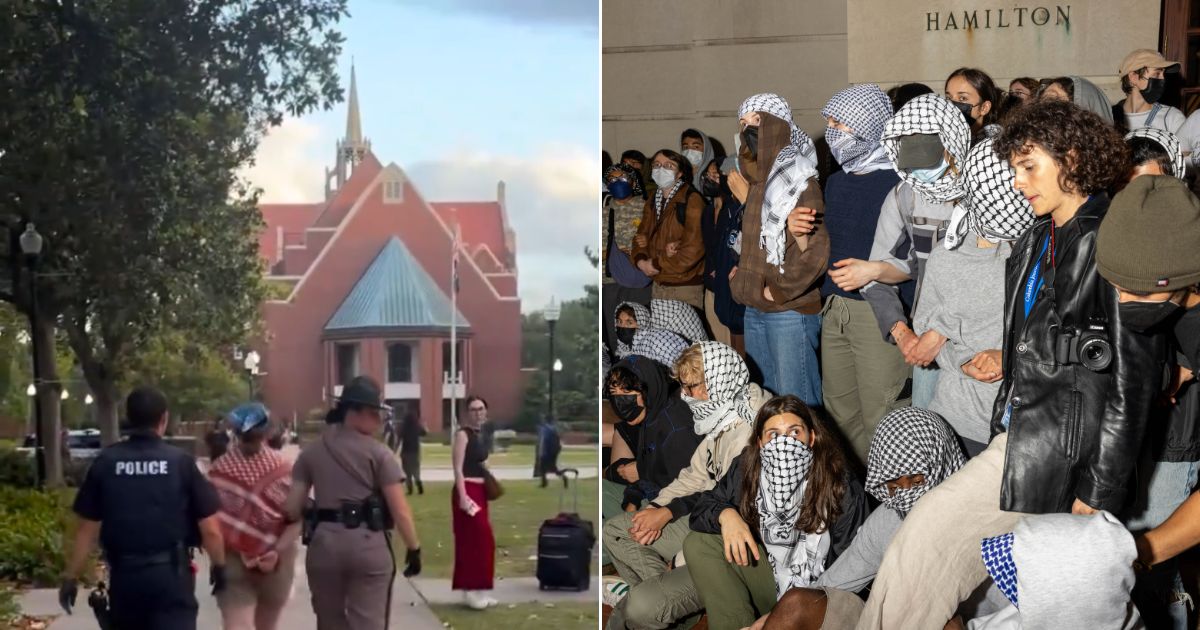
(39, 431)
(550, 369)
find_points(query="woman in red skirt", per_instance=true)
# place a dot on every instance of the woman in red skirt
(474, 544)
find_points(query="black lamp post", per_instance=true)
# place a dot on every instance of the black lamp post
(553, 310)
(31, 247)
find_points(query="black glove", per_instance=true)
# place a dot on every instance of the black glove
(412, 562)
(67, 593)
(216, 578)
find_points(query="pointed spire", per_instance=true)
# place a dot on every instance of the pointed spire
(354, 135)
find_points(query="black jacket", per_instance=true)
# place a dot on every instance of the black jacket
(727, 493)
(1073, 433)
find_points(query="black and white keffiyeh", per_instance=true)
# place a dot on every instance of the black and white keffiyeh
(787, 178)
(621, 169)
(661, 198)
(642, 315)
(931, 113)
(727, 380)
(677, 317)
(911, 441)
(865, 109)
(797, 558)
(1165, 139)
(661, 345)
(992, 207)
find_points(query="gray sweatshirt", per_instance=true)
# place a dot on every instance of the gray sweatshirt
(962, 298)
(857, 566)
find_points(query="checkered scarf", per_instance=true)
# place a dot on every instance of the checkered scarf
(728, 382)
(911, 441)
(661, 198)
(787, 179)
(865, 109)
(997, 558)
(642, 315)
(1165, 139)
(252, 491)
(797, 558)
(992, 208)
(622, 169)
(661, 345)
(931, 113)
(677, 317)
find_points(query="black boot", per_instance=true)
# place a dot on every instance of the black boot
(420, 487)
(543, 481)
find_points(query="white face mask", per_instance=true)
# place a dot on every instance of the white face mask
(693, 156)
(663, 177)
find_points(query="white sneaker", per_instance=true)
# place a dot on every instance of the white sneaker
(489, 600)
(614, 589)
(475, 600)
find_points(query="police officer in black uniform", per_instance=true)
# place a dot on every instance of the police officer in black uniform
(150, 506)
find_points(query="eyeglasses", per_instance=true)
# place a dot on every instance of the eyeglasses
(670, 166)
(688, 388)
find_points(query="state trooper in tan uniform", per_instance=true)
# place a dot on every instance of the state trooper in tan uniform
(358, 492)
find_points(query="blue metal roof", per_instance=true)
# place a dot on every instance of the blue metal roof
(394, 292)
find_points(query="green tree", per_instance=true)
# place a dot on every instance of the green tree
(123, 126)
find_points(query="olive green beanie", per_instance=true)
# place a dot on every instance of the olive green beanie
(1149, 240)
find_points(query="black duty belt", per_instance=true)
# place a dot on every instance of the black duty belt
(131, 561)
(329, 516)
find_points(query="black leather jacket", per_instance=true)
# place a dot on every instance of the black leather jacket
(1073, 433)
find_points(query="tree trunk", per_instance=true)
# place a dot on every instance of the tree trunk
(49, 392)
(104, 397)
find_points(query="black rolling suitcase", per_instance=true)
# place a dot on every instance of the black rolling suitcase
(565, 542)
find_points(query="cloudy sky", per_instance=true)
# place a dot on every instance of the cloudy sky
(461, 94)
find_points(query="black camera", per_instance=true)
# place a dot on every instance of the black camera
(1088, 347)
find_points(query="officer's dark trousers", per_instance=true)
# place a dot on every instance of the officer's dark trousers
(159, 597)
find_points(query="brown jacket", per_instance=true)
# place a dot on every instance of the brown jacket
(686, 267)
(798, 288)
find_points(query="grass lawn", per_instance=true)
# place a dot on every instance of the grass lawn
(515, 521)
(516, 455)
(518, 616)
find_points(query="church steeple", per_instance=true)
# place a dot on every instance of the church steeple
(354, 147)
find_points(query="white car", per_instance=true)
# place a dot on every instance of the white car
(82, 444)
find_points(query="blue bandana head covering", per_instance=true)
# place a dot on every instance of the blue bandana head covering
(248, 416)
(997, 557)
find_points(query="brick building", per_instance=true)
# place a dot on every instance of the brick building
(361, 285)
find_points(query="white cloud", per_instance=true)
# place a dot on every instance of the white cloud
(287, 166)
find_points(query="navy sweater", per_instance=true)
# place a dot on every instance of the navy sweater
(852, 204)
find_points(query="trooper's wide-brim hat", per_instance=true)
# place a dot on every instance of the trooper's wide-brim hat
(363, 390)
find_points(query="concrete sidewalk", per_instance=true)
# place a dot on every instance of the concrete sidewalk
(522, 590)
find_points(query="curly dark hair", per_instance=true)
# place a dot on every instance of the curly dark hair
(1090, 154)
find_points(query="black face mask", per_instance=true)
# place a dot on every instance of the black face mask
(625, 335)
(965, 108)
(1142, 316)
(750, 137)
(625, 406)
(1187, 335)
(1154, 90)
(710, 188)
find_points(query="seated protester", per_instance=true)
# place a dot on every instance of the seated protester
(1146, 249)
(962, 296)
(783, 512)
(628, 319)
(669, 315)
(927, 142)
(1072, 419)
(913, 451)
(1061, 571)
(716, 385)
(1155, 152)
(661, 345)
(1081, 92)
(778, 277)
(697, 148)
(622, 281)
(654, 440)
(668, 246)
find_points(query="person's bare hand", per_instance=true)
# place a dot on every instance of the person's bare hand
(852, 274)
(651, 519)
(759, 623)
(628, 472)
(970, 370)
(640, 240)
(732, 273)
(647, 268)
(767, 294)
(1082, 509)
(1179, 376)
(738, 186)
(735, 534)
(989, 362)
(928, 346)
(905, 338)
(801, 221)
(672, 248)
(631, 508)
(268, 561)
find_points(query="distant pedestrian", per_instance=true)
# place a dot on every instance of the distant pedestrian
(549, 445)
(411, 432)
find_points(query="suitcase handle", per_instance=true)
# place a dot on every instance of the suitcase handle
(563, 473)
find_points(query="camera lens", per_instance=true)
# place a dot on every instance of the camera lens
(1095, 354)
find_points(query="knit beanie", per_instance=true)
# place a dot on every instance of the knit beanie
(1149, 241)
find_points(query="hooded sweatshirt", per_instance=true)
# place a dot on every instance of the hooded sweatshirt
(709, 154)
(1091, 98)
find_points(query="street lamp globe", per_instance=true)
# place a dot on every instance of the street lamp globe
(87, 400)
(552, 311)
(65, 395)
(31, 241)
(558, 365)
(31, 391)
(251, 361)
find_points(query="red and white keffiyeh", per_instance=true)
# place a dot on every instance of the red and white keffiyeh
(253, 491)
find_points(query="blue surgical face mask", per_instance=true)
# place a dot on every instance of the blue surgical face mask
(930, 175)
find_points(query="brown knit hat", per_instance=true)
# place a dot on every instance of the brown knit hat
(1149, 240)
